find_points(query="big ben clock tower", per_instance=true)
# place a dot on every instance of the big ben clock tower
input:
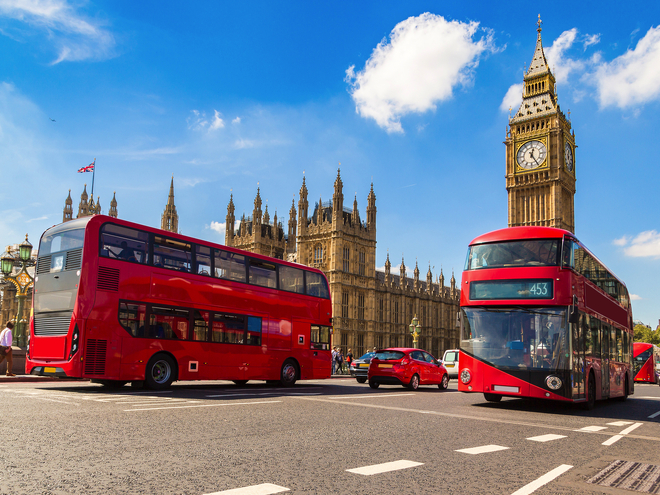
(540, 153)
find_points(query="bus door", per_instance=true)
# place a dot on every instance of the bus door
(605, 360)
(577, 344)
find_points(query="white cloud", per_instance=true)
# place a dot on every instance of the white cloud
(633, 78)
(74, 37)
(635, 297)
(217, 123)
(559, 63)
(644, 245)
(425, 59)
(512, 98)
(237, 120)
(221, 227)
(241, 144)
(589, 40)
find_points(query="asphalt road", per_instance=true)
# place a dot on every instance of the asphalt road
(208, 437)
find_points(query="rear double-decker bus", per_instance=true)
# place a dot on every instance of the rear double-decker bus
(542, 317)
(646, 362)
(119, 302)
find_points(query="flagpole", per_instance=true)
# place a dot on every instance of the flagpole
(93, 175)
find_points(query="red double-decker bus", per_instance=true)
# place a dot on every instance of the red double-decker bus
(542, 317)
(646, 362)
(115, 302)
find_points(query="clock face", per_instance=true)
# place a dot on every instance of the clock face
(531, 155)
(568, 157)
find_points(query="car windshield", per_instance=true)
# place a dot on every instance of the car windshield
(517, 337)
(368, 355)
(389, 355)
(529, 252)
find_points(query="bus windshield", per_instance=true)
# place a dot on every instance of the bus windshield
(528, 252)
(517, 337)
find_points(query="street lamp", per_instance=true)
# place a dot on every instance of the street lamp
(415, 330)
(22, 281)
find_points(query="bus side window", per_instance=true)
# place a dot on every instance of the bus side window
(200, 326)
(316, 285)
(203, 260)
(230, 266)
(253, 330)
(263, 273)
(291, 279)
(172, 254)
(320, 337)
(168, 323)
(132, 318)
(124, 243)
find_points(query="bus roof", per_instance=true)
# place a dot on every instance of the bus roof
(516, 233)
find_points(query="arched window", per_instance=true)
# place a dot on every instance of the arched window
(318, 253)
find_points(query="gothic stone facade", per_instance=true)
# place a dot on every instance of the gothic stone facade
(540, 153)
(370, 308)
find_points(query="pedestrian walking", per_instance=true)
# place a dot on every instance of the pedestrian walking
(334, 360)
(340, 361)
(6, 340)
(349, 357)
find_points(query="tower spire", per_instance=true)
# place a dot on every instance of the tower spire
(169, 220)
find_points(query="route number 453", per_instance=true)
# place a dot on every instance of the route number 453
(539, 289)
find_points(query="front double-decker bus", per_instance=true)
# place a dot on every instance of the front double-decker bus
(542, 317)
(646, 362)
(119, 302)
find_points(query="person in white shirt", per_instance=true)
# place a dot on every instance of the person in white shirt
(6, 340)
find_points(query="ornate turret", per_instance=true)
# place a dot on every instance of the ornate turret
(230, 221)
(68, 208)
(402, 272)
(429, 280)
(266, 220)
(388, 267)
(303, 209)
(371, 209)
(170, 218)
(416, 277)
(113, 205)
(292, 222)
(83, 207)
(338, 201)
(256, 213)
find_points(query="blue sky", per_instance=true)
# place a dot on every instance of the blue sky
(413, 96)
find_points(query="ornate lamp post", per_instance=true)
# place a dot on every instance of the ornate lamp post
(415, 330)
(21, 280)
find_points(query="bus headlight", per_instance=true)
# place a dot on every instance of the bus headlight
(466, 376)
(553, 382)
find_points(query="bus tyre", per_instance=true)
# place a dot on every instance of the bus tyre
(113, 384)
(373, 384)
(160, 372)
(444, 383)
(289, 373)
(414, 382)
(591, 393)
(625, 392)
(492, 397)
(240, 383)
(361, 379)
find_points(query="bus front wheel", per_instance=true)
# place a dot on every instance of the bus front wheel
(289, 373)
(160, 372)
(492, 397)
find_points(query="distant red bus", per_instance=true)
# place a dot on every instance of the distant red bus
(646, 362)
(119, 302)
(542, 317)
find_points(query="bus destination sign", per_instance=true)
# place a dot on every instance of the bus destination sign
(511, 289)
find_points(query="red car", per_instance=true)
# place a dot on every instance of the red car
(408, 367)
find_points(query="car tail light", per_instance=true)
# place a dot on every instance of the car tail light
(404, 361)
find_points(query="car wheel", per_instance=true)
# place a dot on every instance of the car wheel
(289, 373)
(414, 382)
(591, 393)
(240, 383)
(444, 383)
(160, 372)
(492, 397)
(361, 380)
(373, 384)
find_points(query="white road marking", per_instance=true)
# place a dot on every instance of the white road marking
(613, 439)
(385, 467)
(52, 400)
(158, 403)
(368, 396)
(546, 438)
(265, 393)
(205, 405)
(483, 450)
(649, 398)
(620, 423)
(543, 480)
(631, 428)
(263, 489)
(654, 415)
(593, 428)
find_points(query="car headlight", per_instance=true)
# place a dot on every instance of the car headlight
(553, 382)
(466, 376)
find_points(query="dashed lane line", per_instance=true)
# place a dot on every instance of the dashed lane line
(484, 449)
(204, 405)
(654, 415)
(367, 396)
(592, 428)
(543, 480)
(546, 438)
(618, 437)
(620, 423)
(385, 467)
(263, 489)
(264, 393)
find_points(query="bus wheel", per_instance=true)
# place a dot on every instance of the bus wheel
(113, 383)
(240, 383)
(591, 393)
(414, 382)
(492, 397)
(289, 373)
(361, 379)
(159, 374)
(444, 383)
(625, 392)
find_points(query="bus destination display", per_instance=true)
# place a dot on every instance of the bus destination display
(511, 289)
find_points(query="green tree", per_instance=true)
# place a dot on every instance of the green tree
(645, 334)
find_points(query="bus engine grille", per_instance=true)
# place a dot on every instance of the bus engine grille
(52, 325)
(95, 357)
(73, 259)
(43, 264)
(108, 279)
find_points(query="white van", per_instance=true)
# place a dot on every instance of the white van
(450, 361)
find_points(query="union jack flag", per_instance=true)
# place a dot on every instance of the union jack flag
(88, 168)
